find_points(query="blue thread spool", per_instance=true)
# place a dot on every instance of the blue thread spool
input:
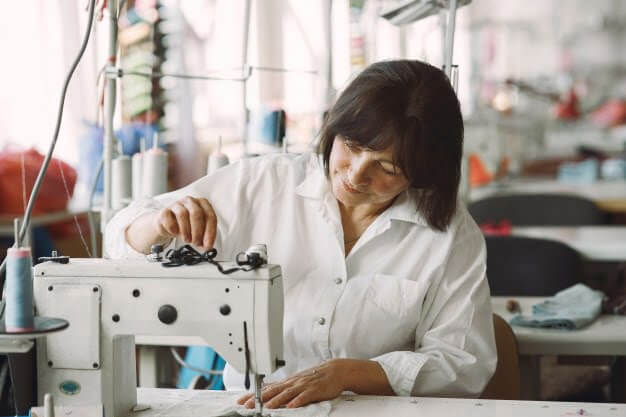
(19, 300)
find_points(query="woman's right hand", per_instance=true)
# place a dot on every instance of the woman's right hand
(191, 219)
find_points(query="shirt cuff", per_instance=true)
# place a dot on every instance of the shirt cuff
(401, 369)
(115, 244)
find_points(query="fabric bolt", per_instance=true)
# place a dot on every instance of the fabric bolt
(573, 308)
(414, 299)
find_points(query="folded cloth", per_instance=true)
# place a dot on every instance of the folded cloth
(572, 308)
(224, 403)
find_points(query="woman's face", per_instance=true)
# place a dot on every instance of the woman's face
(362, 176)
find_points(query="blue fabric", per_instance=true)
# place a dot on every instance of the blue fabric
(205, 358)
(572, 308)
(43, 244)
(91, 147)
(584, 172)
(268, 126)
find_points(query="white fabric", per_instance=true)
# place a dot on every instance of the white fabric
(411, 298)
(225, 404)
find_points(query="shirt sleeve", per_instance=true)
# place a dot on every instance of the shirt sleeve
(115, 244)
(223, 189)
(455, 353)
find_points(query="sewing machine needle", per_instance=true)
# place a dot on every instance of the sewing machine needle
(258, 380)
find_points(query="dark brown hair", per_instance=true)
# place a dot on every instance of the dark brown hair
(412, 107)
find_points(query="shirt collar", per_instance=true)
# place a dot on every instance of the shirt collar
(404, 209)
(316, 185)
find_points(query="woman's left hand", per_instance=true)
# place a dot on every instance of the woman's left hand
(323, 382)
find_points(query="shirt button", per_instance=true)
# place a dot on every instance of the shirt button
(338, 281)
(321, 321)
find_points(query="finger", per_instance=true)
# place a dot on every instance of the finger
(267, 393)
(271, 391)
(210, 226)
(166, 223)
(302, 399)
(244, 399)
(182, 218)
(285, 396)
(196, 219)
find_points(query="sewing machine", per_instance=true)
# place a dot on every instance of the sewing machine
(108, 302)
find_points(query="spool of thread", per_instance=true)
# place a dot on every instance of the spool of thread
(216, 161)
(154, 180)
(137, 170)
(121, 182)
(19, 288)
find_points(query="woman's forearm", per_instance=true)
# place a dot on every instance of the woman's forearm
(143, 233)
(364, 377)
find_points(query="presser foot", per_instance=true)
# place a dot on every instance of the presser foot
(258, 385)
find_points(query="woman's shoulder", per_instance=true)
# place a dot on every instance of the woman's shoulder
(282, 164)
(463, 225)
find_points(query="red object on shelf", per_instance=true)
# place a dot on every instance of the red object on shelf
(568, 109)
(502, 228)
(52, 196)
(610, 114)
(478, 173)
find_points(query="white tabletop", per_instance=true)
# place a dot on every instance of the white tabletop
(598, 191)
(605, 336)
(597, 243)
(183, 403)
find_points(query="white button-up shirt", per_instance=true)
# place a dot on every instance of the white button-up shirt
(414, 299)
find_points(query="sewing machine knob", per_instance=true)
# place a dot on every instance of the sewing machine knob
(167, 314)
(155, 253)
(225, 310)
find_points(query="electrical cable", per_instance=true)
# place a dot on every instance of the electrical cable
(184, 364)
(46, 161)
(187, 255)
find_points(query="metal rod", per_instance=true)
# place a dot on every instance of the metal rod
(449, 41)
(454, 78)
(117, 72)
(329, 53)
(258, 382)
(109, 114)
(16, 232)
(244, 85)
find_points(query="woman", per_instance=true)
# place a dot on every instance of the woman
(383, 271)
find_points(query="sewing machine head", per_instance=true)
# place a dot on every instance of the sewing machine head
(108, 302)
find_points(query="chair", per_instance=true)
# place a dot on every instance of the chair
(505, 382)
(524, 266)
(537, 210)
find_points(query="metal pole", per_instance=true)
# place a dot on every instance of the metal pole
(330, 91)
(449, 41)
(244, 85)
(107, 154)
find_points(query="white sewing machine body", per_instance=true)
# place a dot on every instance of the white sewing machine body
(108, 302)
